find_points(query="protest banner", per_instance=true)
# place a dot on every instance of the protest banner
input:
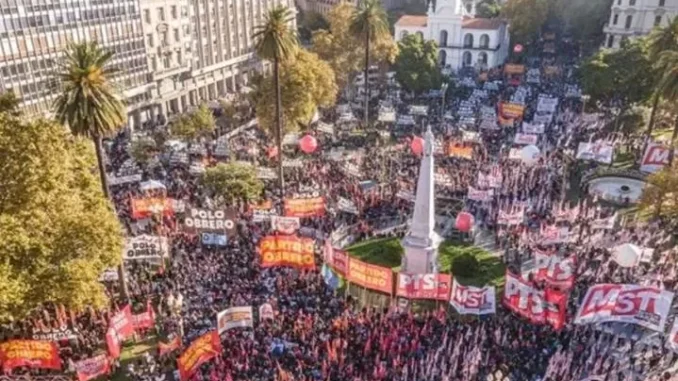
(348, 206)
(288, 251)
(204, 220)
(147, 207)
(145, 247)
(510, 218)
(36, 354)
(525, 139)
(263, 211)
(113, 344)
(533, 128)
(491, 180)
(285, 225)
(201, 350)
(542, 118)
(128, 172)
(656, 156)
(266, 312)
(514, 69)
(458, 150)
(473, 300)
(61, 333)
(92, 368)
(555, 271)
(511, 110)
(443, 179)
(213, 239)
(335, 258)
(370, 276)
(480, 195)
(305, 207)
(552, 235)
(145, 319)
(122, 323)
(264, 173)
(627, 303)
(537, 306)
(164, 348)
(547, 104)
(599, 151)
(424, 286)
(672, 339)
(235, 317)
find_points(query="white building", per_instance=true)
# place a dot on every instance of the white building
(636, 18)
(463, 39)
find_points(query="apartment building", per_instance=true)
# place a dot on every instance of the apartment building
(636, 18)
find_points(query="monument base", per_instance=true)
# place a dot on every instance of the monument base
(420, 257)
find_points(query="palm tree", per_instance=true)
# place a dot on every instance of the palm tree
(668, 88)
(659, 41)
(89, 104)
(368, 22)
(277, 42)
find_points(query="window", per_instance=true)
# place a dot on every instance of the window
(147, 16)
(657, 20)
(485, 41)
(176, 35)
(629, 21)
(615, 19)
(166, 62)
(482, 58)
(161, 14)
(443, 38)
(403, 34)
(442, 58)
(149, 39)
(632, 3)
(467, 59)
(610, 41)
(163, 38)
(468, 40)
(174, 12)
(662, 3)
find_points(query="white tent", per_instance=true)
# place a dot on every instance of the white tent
(627, 255)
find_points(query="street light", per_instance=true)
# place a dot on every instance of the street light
(443, 88)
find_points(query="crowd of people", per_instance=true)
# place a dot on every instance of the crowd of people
(318, 333)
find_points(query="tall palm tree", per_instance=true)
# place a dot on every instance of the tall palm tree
(89, 103)
(659, 41)
(276, 42)
(368, 22)
(668, 87)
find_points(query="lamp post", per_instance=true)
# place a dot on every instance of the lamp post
(585, 98)
(443, 88)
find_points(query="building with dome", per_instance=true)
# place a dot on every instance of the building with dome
(463, 39)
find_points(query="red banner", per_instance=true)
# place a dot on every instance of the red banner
(287, 250)
(537, 306)
(94, 367)
(113, 343)
(144, 320)
(199, 352)
(370, 276)
(554, 271)
(123, 323)
(335, 258)
(146, 207)
(173, 345)
(305, 207)
(29, 353)
(424, 286)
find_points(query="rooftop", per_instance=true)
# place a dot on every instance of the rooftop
(412, 21)
(469, 23)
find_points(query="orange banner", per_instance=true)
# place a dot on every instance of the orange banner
(146, 207)
(287, 250)
(305, 207)
(173, 345)
(511, 110)
(370, 276)
(505, 122)
(29, 353)
(203, 349)
(514, 69)
(459, 150)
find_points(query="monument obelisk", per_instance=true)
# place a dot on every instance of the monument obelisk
(421, 242)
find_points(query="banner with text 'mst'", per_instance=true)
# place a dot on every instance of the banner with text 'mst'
(424, 286)
(473, 300)
(288, 251)
(537, 306)
(305, 207)
(370, 276)
(627, 303)
(29, 353)
(203, 349)
(92, 368)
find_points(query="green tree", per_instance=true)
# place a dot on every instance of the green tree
(276, 42)
(9, 103)
(526, 18)
(143, 149)
(232, 182)
(196, 125)
(309, 22)
(58, 232)
(585, 19)
(488, 9)
(306, 83)
(417, 64)
(341, 49)
(368, 23)
(89, 103)
(659, 198)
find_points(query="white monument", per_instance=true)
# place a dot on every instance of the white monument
(421, 242)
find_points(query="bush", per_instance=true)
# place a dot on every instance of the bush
(465, 265)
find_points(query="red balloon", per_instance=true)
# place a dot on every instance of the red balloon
(272, 152)
(417, 145)
(518, 48)
(308, 144)
(464, 222)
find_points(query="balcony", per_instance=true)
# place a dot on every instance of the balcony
(163, 73)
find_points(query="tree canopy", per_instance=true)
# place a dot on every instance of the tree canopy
(660, 198)
(417, 64)
(57, 231)
(584, 19)
(195, 125)
(526, 18)
(231, 182)
(341, 49)
(488, 9)
(306, 83)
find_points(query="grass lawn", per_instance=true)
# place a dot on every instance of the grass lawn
(384, 252)
(623, 160)
(131, 352)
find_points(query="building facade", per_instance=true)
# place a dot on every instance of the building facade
(463, 39)
(636, 18)
(172, 54)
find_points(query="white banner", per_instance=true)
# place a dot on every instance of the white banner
(264, 173)
(604, 223)
(533, 128)
(551, 235)
(525, 139)
(145, 247)
(285, 225)
(442, 179)
(480, 195)
(510, 218)
(547, 104)
(266, 312)
(656, 156)
(235, 317)
(544, 118)
(599, 151)
(348, 206)
(470, 136)
(626, 303)
(353, 170)
(514, 154)
(489, 180)
(473, 300)
(294, 163)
